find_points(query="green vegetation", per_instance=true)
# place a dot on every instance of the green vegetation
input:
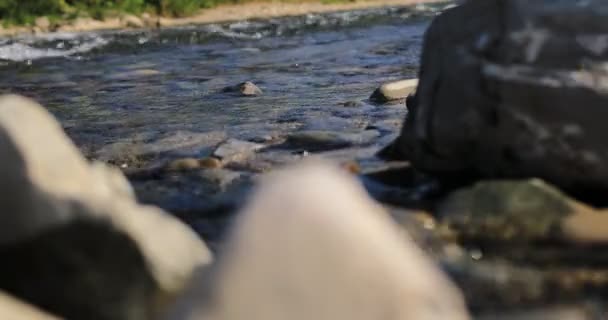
(25, 11)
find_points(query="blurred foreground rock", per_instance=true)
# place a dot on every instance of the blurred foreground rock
(11, 308)
(514, 89)
(312, 245)
(524, 243)
(73, 239)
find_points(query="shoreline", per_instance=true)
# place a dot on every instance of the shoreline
(219, 14)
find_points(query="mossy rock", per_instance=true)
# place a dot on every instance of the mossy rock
(507, 210)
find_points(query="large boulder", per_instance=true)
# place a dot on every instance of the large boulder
(513, 88)
(73, 239)
(311, 244)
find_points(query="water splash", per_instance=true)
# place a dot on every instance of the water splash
(49, 46)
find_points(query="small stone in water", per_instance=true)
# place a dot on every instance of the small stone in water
(247, 89)
(394, 90)
(476, 254)
(210, 163)
(236, 150)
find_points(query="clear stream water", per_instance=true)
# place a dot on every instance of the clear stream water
(113, 90)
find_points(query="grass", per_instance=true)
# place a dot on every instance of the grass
(24, 12)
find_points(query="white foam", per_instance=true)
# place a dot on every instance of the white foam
(25, 51)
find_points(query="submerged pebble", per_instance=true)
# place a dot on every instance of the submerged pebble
(233, 150)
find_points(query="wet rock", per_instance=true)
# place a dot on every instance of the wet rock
(247, 89)
(520, 211)
(140, 153)
(254, 165)
(313, 233)
(183, 164)
(196, 193)
(210, 163)
(70, 230)
(392, 91)
(266, 138)
(497, 84)
(233, 150)
(421, 226)
(267, 160)
(497, 285)
(492, 284)
(131, 21)
(186, 164)
(222, 178)
(319, 140)
(12, 308)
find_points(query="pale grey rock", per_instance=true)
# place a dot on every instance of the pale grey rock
(13, 308)
(233, 150)
(48, 192)
(311, 244)
(396, 90)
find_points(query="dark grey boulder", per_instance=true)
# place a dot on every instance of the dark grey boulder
(513, 88)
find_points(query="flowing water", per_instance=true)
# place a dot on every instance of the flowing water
(140, 99)
(142, 86)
